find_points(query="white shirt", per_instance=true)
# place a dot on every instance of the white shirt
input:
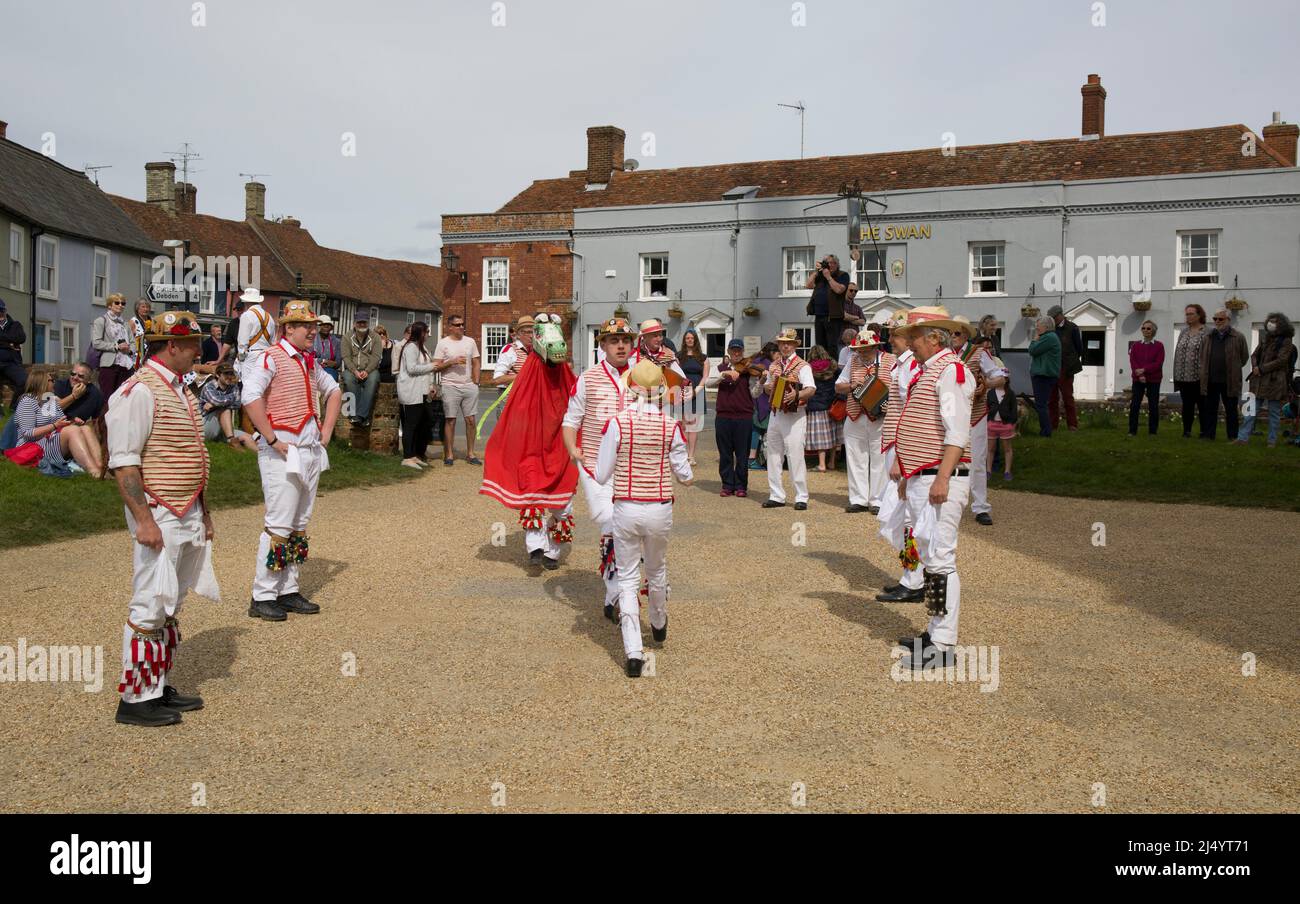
(130, 417)
(954, 403)
(506, 360)
(675, 366)
(987, 367)
(846, 374)
(258, 377)
(577, 409)
(607, 457)
(805, 379)
(249, 326)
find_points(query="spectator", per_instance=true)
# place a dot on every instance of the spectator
(60, 436)
(1044, 370)
(386, 374)
(762, 404)
(136, 328)
(219, 402)
(79, 397)
(111, 339)
(230, 338)
(854, 317)
(1146, 360)
(361, 356)
(1187, 366)
(326, 347)
(1071, 363)
(828, 283)
(846, 352)
(696, 367)
(1223, 355)
(825, 434)
(1004, 411)
(12, 337)
(1270, 376)
(414, 385)
(212, 345)
(734, 419)
(988, 328)
(456, 358)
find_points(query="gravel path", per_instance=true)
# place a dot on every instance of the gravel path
(1118, 664)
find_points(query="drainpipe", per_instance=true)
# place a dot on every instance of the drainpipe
(735, 275)
(37, 232)
(579, 328)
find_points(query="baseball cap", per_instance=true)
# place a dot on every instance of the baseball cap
(1055, 311)
(736, 343)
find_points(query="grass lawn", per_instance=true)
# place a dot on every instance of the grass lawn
(39, 509)
(1101, 461)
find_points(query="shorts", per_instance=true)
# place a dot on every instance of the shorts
(459, 400)
(999, 430)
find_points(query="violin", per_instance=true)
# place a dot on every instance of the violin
(745, 367)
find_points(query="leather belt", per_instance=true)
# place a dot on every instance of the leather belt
(934, 472)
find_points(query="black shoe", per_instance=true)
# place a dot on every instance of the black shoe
(550, 564)
(984, 518)
(267, 609)
(296, 602)
(910, 642)
(931, 658)
(535, 557)
(174, 699)
(891, 588)
(660, 634)
(610, 614)
(634, 668)
(856, 509)
(771, 504)
(901, 595)
(801, 506)
(148, 713)
(874, 509)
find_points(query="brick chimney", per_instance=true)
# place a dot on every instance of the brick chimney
(1094, 108)
(255, 201)
(604, 153)
(160, 185)
(1281, 137)
(186, 197)
(4, 126)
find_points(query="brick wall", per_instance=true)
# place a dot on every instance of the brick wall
(381, 436)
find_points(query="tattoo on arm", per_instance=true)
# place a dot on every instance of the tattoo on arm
(131, 486)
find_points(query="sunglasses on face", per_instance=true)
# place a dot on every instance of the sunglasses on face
(1220, 319)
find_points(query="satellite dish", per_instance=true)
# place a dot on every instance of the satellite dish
(630, 165)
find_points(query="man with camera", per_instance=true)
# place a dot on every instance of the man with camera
(829, 284)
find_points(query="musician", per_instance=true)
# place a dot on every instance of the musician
(933, 463)
(653, 344)
(788, 422)
(256, 330)
(987, 377)
(642, 448)
(911, 586)
(511, 360)
(734, 419)
(867, 370)
(599, 394)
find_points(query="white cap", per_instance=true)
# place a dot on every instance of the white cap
(325, 318)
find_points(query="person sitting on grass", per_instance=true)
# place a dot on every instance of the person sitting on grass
(219, 402)
(41, 420)
(78, 395)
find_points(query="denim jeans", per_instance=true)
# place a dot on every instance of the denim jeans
(1274, 421)
(1044, 387)
(1152, 393)
(363, 391)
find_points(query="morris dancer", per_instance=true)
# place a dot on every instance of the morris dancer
(862, 452)
(933, 458)
(786, 428)
(511, 360)
(598, 395)
(641, 449)
(525, 466)
(985, 370)
(650, 346)
(256, 330)
(281, 386)
(156, 452)
(911, 586)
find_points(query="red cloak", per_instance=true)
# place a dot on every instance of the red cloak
(525, 464)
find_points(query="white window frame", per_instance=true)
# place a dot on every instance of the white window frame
(792, 284)
(972, 291)
(374, 316)
(97, 297)
(863, 291)
(204, 289)
(489, 359)
(76, 342)
(410, 318)
(428, 321)
(52, 292)
(17, 265)
(801, 328)
(489, 297)
(646, 277)
(1181, 275)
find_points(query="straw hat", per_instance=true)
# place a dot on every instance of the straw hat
(645, 378)
(651, 326)
(616, 326)
(298, 311)
(787, 336)
(524, 321)
(897, 320)
(934, 316)
(866, 338)
(965, 325)
(173, 325)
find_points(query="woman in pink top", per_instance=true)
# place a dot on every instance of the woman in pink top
(1145, 360)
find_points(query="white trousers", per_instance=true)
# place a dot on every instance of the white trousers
(865, 461)
(938, 548)
(289, 501)
(600, 503)
(979, 467)
(641, 532)
(541, 539)
(914, 579)
(785, 436)
(160, 581)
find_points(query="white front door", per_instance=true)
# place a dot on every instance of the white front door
(1096, 324)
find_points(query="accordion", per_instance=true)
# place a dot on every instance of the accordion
(785, 394)
(872, 396)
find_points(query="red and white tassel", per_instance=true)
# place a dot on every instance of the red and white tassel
(532, 518)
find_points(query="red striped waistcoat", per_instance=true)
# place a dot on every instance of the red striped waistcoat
(604, 395)
(643, 472)
(920, 426)
(521, 355)
(174, 463)
(291, 397)
(979, 405)
(900, 379)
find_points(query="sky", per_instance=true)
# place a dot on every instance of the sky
(455, 106)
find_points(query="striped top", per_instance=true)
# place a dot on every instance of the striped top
(598, 395)
(174, 463)
(291, 397)
(975, 357)
(642, 472)
(901, 373)
(921, 430)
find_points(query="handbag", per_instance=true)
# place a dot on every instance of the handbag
(839, 410)
(28, 455)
